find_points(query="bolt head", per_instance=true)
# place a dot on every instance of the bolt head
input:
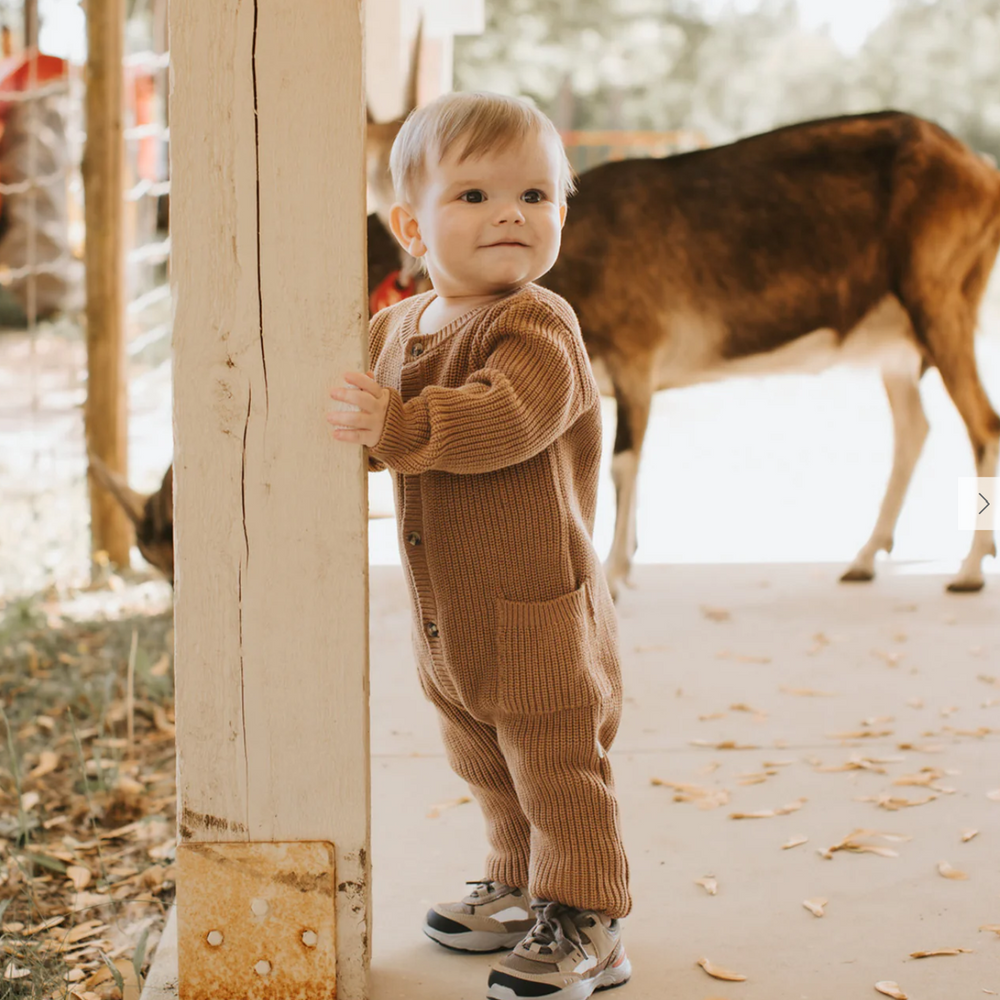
(310, 939)
(263, 967)
(259, 907)
(215, 938)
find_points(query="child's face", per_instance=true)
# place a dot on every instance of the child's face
(489, 224)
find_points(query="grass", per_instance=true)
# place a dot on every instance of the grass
(86, 799)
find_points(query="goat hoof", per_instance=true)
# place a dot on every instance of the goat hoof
(965, 586)
(858, 575)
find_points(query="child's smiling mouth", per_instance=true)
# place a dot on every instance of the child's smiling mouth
(506, 243)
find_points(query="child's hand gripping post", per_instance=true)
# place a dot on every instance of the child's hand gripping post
(363, 423)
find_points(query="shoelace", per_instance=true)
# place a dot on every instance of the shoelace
(486, 885)
(553, 924)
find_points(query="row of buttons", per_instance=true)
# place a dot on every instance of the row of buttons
(413, 538)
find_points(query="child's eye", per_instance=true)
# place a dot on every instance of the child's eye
(473, 197)
(534, 196)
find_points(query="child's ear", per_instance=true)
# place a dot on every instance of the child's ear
(406, 229)
(562, 215)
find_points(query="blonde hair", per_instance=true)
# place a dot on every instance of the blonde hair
(481, 122)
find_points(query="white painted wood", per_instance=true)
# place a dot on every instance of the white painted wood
(161, 982)
(387, 57)
(267, 213)
(392, 26)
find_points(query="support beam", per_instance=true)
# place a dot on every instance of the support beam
(271, 611)
(106, 410)
(30, 23)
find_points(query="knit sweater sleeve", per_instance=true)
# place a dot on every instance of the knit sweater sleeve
(377, 327)
(530, 389)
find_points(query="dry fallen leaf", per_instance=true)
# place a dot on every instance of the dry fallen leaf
(877, 720)
(48, 761)
(947, 871)
(162, 722)
(853, 844)
(891, 658)
(815, 906)
(79, 876)
(891, 989)
(728, 654)
(979, 733)
(819, 642)
(743, 707)
(893, 803)
(703, 798)
(994, 928)
(723, 745)
(437, 809)
(861, 734)
(754, 778)
(967, 835)
(716, 973)
(857, 762)
(710, 716)
(940, 951)
(715, 614)
(923, 779)
(709, 884)
(794, 842)
(768, 813)
(807, 692)
(922, 747)
(160, 668)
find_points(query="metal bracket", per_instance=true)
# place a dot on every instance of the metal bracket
(257, 921)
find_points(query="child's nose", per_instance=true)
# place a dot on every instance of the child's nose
(510, 212)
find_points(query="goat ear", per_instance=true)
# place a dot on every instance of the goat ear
(134, 504)
(413, 80)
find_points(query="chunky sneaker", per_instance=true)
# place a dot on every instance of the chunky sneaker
(567, 955)
(493, 917)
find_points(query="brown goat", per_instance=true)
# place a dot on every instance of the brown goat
(867, 239)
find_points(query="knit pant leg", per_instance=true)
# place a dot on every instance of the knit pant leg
(566, 789)
(475, 756)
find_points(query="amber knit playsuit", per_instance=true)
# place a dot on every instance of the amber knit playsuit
(493, 434)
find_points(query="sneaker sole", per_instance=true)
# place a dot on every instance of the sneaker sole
(607, 980)
(479, 942)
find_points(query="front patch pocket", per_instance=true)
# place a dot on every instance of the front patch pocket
(547, 655)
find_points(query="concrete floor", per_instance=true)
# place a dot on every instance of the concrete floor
(899, 648)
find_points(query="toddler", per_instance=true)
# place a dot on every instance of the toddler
(483, 405)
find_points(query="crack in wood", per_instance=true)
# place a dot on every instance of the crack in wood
(256, 137)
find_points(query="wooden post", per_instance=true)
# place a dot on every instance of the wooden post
(268, 274)
(106, 410)
(30, 23)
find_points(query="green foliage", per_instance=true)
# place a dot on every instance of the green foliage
(666, 64)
